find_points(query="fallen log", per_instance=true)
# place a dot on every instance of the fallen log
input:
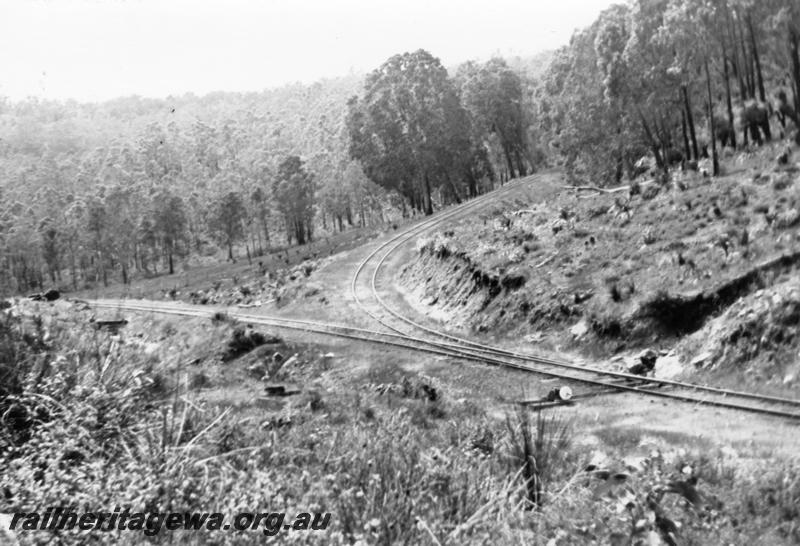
(110, 324)
(546, 261)
(279, 389)
(599, 190)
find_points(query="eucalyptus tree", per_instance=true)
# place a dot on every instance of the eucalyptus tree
(227, 220)
(408, 129)
(492, 93)
(293, 190)
(169, 226)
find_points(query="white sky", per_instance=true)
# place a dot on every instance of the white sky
(96, 50)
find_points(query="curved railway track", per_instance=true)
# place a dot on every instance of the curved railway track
(474, 350)
(405, 333)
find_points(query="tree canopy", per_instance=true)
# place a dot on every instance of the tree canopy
(294, 197)
(409, 130)
(674, 76)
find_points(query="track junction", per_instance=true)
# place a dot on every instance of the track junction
(395, 330)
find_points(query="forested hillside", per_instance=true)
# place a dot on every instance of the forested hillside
(123, 188)
(91, 189)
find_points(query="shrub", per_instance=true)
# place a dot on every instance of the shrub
(649, 236)
(220, 317)
(243, 341)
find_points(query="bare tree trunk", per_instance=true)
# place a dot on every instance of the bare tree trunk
(653, 143)
(794, 51)
(686, 151)
(73, 268)
(428, 202)
(260, 242)
(737, 66)
(266, 232)
(452, 187)
(509, 162)
(728, 101)
(520, 163)
(761, 94)
(747, 60)
(714, 159)
(690, 121)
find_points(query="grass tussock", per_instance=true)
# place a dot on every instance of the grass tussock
(539, 449)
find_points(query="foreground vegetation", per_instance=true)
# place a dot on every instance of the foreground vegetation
(158, 417)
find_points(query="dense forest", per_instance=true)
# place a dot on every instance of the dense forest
(125, 188)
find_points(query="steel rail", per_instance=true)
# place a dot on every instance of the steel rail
(465, 349)
(423, 345)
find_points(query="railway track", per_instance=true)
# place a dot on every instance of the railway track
(399, 331)
(603, 380)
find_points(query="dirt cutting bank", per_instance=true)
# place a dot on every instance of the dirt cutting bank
(608, 272)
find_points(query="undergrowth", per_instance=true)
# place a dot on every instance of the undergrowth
(91, 420)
